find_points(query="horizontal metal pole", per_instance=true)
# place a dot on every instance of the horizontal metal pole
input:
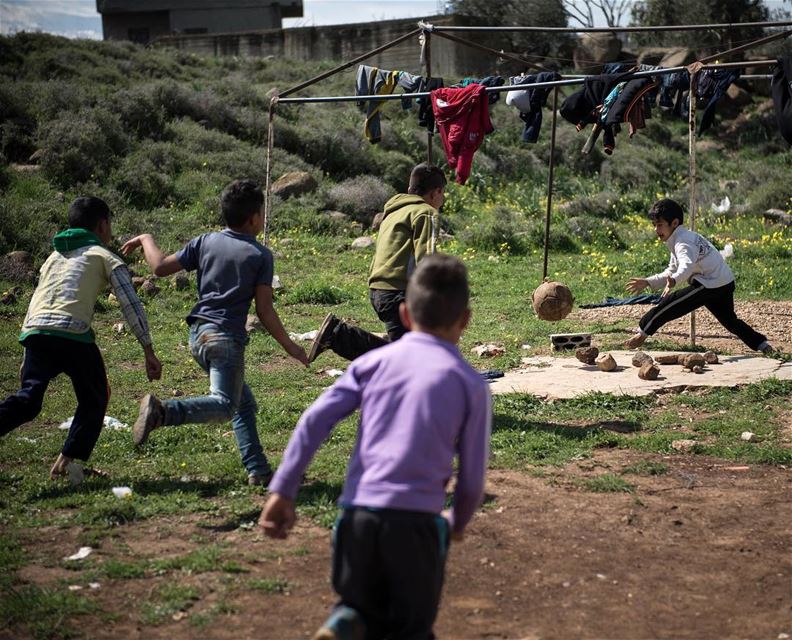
(669, 27)
(519, 87)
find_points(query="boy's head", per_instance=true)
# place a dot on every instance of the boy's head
(437, 295)
(667, 215)
(239, 201)
(429, 182)
(92, 214)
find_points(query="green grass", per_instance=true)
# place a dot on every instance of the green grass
(269, 585)
(43, 611)
(606, 483)
(168, 600)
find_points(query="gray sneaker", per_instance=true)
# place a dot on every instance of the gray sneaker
(260, 479)
(323, 339)
(150, 417)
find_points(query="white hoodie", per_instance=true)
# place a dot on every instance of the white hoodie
(693, 256)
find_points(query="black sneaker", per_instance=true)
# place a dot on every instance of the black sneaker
(150, 417)
(323, 339)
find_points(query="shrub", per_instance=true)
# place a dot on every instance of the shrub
(361, 197)
(590, 230)
(79, 146)
(305, 212)
(313, 292)
(139, 111)
(395, 169)
(18, 126)
(499, 231)
(774, 192)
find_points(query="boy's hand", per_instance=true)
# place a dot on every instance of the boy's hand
(153, 365)
(636, 285)
(59, 468)
(278, 516)
(298, 353)
(670, 284)
(130, 245)
(456, 536)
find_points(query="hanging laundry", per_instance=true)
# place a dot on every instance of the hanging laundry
(781, 88)
(425, 113)
(489, 81)
(530, 101)
(585, 105)
(462, 117)
(373, 81)
(711, 85)
(629, 105)
(672, 91)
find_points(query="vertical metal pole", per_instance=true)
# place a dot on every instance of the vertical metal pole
(550, 182)
(268, 170)
(692, 176)
(428, 57)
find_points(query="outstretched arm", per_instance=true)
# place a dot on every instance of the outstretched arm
(160, 264)
(272, 323)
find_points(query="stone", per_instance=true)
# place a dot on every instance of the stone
(640, 358)
(552, 301)
(17, 266)
(119, 327)
(683, 445)
(149, 288)
(364, 242)
(294, 183)
(337, 215)
(137, 282)
(749, 436)
(488, 350)
(648, 371)
(671, 358)
(697, 369)
(690, 360)
(605, 362)
(710, 357)
(253, 324)
(181, 281)
(587, 355)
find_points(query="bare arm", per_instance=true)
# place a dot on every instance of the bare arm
(160, 264)
(272, 323)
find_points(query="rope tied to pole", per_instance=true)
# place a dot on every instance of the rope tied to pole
(268, 168)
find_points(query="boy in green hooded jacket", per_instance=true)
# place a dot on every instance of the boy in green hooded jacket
(405, 237)
(57, 333)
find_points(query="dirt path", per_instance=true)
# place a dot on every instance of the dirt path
(701, 551)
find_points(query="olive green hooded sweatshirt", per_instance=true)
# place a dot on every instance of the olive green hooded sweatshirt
(405, 236)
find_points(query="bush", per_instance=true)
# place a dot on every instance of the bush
(80, 146)
(139, 111)
(775, 192)
(314, 292)
(595, 231)
(361, 197)
(498, 231)
(18, 126)
(395, 169)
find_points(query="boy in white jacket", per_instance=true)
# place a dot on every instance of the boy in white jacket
(697, 263)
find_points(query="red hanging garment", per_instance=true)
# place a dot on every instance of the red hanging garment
(462, 117)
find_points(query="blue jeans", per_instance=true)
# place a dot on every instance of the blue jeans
(222, 356)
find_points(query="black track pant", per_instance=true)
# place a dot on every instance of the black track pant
(389, 565)
(349, 341)
(45, 358)
(718, 301)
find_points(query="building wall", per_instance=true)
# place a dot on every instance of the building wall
(345, 42)
(119, 26)
(228, 20)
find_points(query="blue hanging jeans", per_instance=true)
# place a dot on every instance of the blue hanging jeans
(222, 356)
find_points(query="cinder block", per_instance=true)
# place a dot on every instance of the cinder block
(561, 341)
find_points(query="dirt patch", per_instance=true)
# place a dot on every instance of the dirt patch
(773, 318)
(700, 550)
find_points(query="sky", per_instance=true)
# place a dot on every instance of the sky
(79, 19)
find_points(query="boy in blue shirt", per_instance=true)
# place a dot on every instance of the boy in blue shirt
(232, 269)
(421, 405)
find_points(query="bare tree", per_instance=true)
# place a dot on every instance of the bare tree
(583, 11)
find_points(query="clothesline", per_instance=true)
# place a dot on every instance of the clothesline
(689, 27)
(507, 88)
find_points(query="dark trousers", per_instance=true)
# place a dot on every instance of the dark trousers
(389, 566)
(720, 303)
(350, 341)
(45, 358)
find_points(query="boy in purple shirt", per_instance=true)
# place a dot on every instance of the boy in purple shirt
(232, 270)
(420, 406)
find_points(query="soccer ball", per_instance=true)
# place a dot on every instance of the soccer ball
(552, 301)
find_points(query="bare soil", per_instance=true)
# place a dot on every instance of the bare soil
(701, 551)
(773, 318)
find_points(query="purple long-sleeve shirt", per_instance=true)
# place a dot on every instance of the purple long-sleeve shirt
(420, 406)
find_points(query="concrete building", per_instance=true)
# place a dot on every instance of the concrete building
(144, 20)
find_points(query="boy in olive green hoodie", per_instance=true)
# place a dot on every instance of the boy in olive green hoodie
(57, 333)
(405, 236)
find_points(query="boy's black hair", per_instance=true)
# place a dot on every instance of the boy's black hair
(666, 209)
(437, 293)
(240, 200)
(86, 212)
(424, 178)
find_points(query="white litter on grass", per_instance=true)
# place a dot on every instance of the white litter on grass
(74, 587)
(94, 585)
(334, 373)
(727, 251)
(721, 207)
(82, 553)
(276, 282)
(526, 347)
(488, 350)
(310, 335)
(26, 439)
(122, 492)
(109, 422)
